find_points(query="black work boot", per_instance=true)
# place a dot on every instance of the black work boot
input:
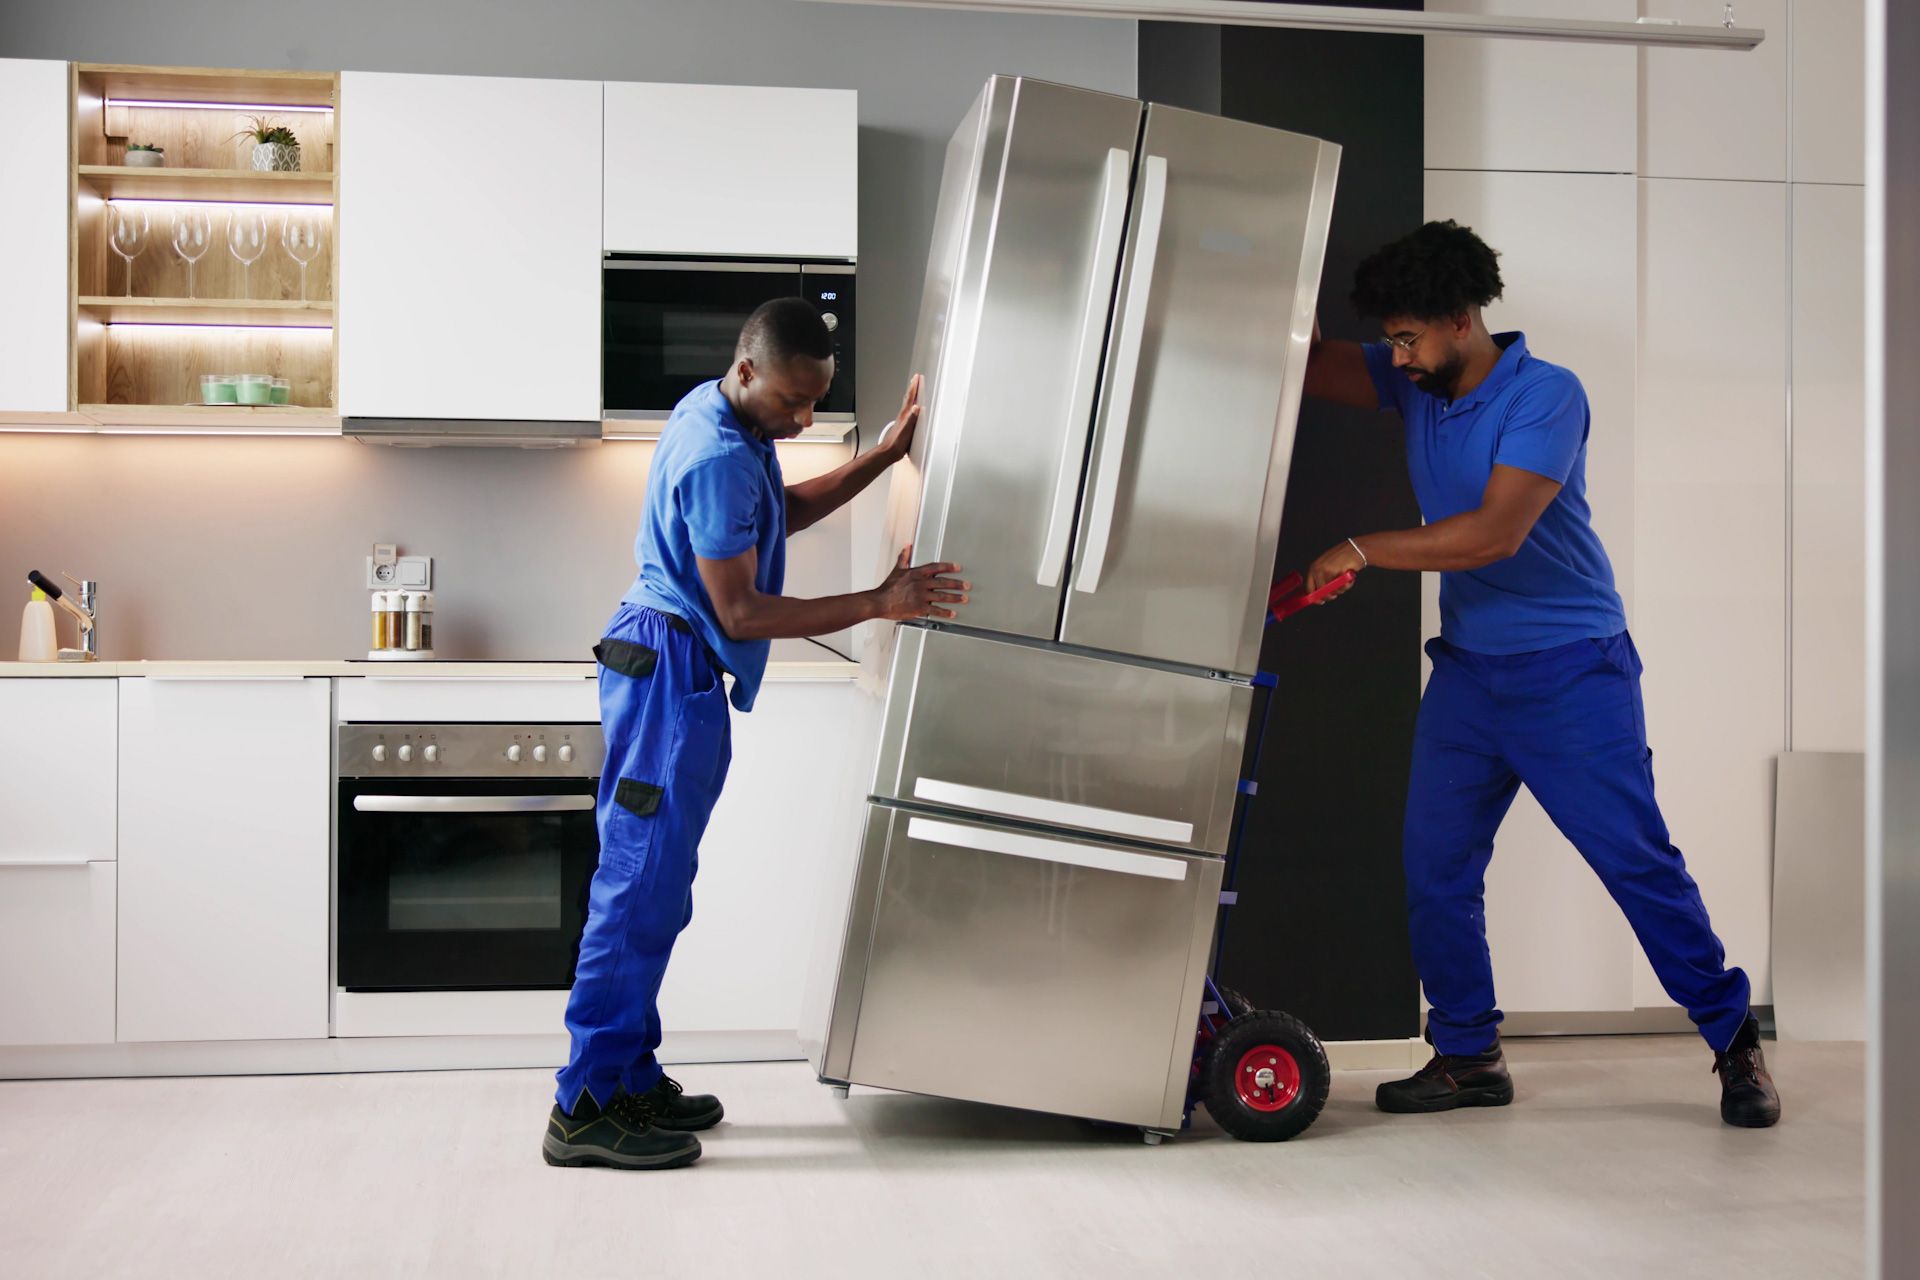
(1747, 1096)
(1450, 1080)
(673, 1108)
(626, 1134)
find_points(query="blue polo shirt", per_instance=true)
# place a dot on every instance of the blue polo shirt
(714, 492)
(1558, 588)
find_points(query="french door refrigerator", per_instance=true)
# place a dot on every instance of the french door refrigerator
(1114, 332)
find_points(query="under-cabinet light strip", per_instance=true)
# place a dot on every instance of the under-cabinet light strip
(224, 204)
(229, 328)
(210, 106)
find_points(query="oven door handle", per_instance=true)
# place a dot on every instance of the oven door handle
(472, 804)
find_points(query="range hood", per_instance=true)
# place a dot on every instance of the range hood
(419, 433)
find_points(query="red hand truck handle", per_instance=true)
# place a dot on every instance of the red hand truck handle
(1283, 603)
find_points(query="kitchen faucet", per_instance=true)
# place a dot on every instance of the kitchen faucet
(83, 613)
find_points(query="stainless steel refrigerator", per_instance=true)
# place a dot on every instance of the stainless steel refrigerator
(1114, 332)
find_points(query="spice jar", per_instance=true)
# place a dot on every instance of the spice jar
(419, 621)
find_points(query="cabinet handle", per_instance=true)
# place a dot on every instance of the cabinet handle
(472, 804)
(51, 860)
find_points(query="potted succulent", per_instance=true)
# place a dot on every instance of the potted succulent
(274, 146)
(144, 155)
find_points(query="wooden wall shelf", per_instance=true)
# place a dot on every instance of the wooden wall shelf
(122, 182)
(191, 311)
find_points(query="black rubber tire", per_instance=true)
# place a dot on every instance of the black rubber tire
(1237, 1005)
(1224, 1104)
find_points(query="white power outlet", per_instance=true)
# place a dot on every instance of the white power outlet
(413, 573)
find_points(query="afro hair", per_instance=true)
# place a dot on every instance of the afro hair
(1440, 270)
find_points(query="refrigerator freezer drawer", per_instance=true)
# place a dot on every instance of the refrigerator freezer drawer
(1028, 971)
(1062, 739)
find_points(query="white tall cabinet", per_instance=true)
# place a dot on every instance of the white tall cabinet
(57, 868)
(678, 178)
(1568, 243)
(469, 290)
(225, 811)
(33, 224)
(1683, 229)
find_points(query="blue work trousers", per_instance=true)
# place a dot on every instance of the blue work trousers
(663, 709)
(1569, 723)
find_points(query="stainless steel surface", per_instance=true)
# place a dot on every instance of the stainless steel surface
(1120, 742)
(1249, 13)
(706, 264)
(83, 612)
(1197, 455)
(472, 804)
(1024, 981)
(468, 750)
(1017, 254)
(472, 432)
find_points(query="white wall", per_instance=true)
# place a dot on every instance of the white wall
(1725, 466)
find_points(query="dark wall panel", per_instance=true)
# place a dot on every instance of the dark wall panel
(1321, 929)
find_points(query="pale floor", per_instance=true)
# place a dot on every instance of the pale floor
(1612, 1163)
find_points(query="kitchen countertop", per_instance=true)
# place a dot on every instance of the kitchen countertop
(830, 669)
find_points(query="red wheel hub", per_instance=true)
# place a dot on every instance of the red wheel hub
(1268, 1078)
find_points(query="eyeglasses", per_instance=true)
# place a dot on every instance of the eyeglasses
(1406, 344)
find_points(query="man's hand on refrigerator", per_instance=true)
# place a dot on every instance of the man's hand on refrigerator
(899, 434)
(1342, 559)
(919, 591)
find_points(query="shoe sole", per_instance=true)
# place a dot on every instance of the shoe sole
(1751, 1122)
(568, 1156)
(691, 1124)
(1495, 1097)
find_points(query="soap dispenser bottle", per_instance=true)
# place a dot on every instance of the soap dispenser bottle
(39, 642)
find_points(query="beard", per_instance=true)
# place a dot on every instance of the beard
(1440, 382)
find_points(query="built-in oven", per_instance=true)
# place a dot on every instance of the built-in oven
(670, 324)
(464, 855)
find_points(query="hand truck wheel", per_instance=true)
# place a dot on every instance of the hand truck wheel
(1266, 1077)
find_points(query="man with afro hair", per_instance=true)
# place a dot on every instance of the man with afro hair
(1535, 678)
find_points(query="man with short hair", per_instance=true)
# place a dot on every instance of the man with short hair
(1535, 678)
(706, 603)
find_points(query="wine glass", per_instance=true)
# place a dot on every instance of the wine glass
(127, 235)
(247, 239)
(192, 234)
(301, 238)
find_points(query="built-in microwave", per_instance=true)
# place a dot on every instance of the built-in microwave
(670, 324)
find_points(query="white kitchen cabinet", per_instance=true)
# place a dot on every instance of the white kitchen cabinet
(1710, 606)
(1715, 113)
(1568, 246)
(34, 180)
(678, 179)
(56, 950)
(225, 809)
(57, 767)
(1527, 104)
(1829, 58)
(470, 287)
(1829, 469)
(742, 963)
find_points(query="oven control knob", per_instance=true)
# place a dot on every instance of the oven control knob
(566, 754)
(540, 754)
(513, 753)
(432, 753)
(830, 320)
(406, 753)
(379, 753)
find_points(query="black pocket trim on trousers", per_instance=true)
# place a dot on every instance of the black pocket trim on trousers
(637, 798)
(625, 657)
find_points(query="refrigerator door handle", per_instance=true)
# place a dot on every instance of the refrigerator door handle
(1086, 372)
(1133, 328)
(1058, 813)
(1044, 850)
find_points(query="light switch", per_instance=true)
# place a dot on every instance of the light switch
(416, 573)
